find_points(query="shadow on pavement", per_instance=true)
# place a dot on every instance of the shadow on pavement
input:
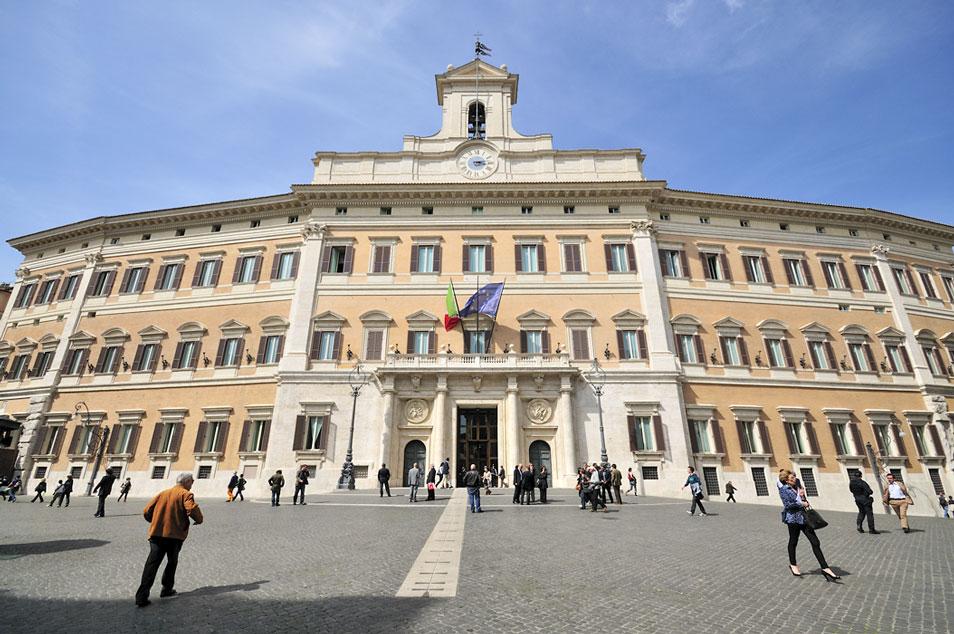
(208, 591)
(12, 551)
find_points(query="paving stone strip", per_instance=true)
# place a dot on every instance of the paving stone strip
(436, 569)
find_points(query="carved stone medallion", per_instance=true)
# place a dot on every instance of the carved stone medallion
(539, 411)
(416, 410)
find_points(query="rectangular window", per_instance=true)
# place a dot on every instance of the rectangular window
(272, 348)
(820, 359)
(384, 211)
(918, 433)
(776, 353)
(146, 358)
(109, 360)
(581, 344)
(47, 291)
(188, 356)
(650, 473)
(795, 437)
(476, 342)
(135, 280)
(712, 266)
(613, 210)
(528, 258)
(687, 349)
(572, 259)
(125, 435)
(833, 275)
(25, 296)
(256, 435)
(747, 438)
(643, 433)
(476, 211)
(43, 362)
(206, 273)
(840, 432)
(313, 429)
(927, 284)
(338, 259)
(326, 348)
(19, 366)
(526, 211)
(75, 361)
(534, 341)
(672, 263)
(901, 279)
(425, 258)
(569, 209)
(859, 357)
(898, 358)
(420, 342)
(758, 477)
(731, 352)
(247, 269)
(102, 283)
(936, 481)
(381, 258)
(700, 433)
(158, 473)
(374, 345)
(711, 477)
(427, 211)
(870, 277)
(476, 258)
(40, 472)
(76, 472)
(629, 348)
(755, 269)
(341, 211)
(169, 277)
(205, 472)
(70, 286)
(618, 258)
(230, 352)
(933, 360)
(285, 269)
(793, 268)
(808, 481)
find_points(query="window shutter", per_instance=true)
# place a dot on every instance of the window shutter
(200, 436)
(62, 294)
(113, 436)
(63, 366)
(879, 443)
(789, 360)
(905, 358)
(414, 257)
(336, 350)
(685, 263)
(726, 271)
(898, 440)
(58, 444)
(43, 434)
(870, 356)
(862, 277)
(299, 440)
(124, 284)
(856, 437)
(177, 357)
(197, 274)
(679, 351)
(223, 439)
(541, 258)
(294, 267)
(197, 355)
(83, 366)
(844, 275)
(518, 261)
(161, 274)
(375, 341)
(725, 353)
(276, 259)
(545, 340)
(891, 363)
(807, 270)
(264, 440)
(936, 440)
(641, 343)
(465, 259)
(133, 440)
(326, 259)
(631, 424)
(743, 439)
(315, 349)
(907, 274)
(260, 356)
(257, 269)
(137, 358)
(239, 351)
(834, 434)
(826, 272)
(743, 351)
(110, 278)
(659, 433)
(878, 277)
(246, 428)
(700, 351)
(437, 258)
(410, 342)
(281, 348)
(620, 348)
(693, 441)
(608, 254)
(220, 352)
(581, 348)
(216, 271)
(705, 266)
(523, 341)
(238, 269)
(768, 270)
(787, 264)
(75, 440)
(177, 280)
(489, 250)
(830, 353)
(747, 265)
(349, 259)
(766, 439)
(177, 433)
(101, 359)
(323, 434)
(466, 344)
(156, 438)
(812, 438)
(717, 436)
(790, 436)
(571, 258)
(431, 342)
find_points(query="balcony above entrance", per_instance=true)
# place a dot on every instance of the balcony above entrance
(469, 362)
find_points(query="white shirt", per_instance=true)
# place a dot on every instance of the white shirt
(895, 492)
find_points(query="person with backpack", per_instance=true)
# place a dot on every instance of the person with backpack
(695, 487)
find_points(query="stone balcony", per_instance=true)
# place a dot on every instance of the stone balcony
(468, 362)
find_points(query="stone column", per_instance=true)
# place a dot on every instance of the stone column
(387, 420)
(295, 356)
(567, 438)
(513, 423)
(76, 310)
(659, 338)
(439, 422)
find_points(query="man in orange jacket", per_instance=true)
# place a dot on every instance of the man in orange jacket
(168, 515)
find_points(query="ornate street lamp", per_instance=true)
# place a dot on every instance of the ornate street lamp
(595, 377)
(100, 436)
(357, 379)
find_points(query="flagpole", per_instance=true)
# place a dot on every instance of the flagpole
(483, 347)
(493, 325)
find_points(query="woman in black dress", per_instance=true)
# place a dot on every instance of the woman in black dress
(431, 479)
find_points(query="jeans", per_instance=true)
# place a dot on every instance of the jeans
(57, 496)
(793, 532)
(865, 511)
(276, 494)
(299, 489)
(697, 501)
(632, 487)
(413, 496)
(159, 548)
(473, 499)
(101, 508)
(384, 487)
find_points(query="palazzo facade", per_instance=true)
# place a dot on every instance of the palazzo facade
(738, 334)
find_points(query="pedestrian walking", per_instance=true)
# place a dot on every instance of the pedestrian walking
(472, 482)
(431, 483)
(57, 493)
(168, 515)
(230, 488)
(517, 484)
(275, 483)
(582, 487)
(897, 497)
(864, 501)
(442, 470)
(239, 487)
(528, 484)
(793, 516)
(944, 504)
(413, 481)
(502, 475)
(950, 504)
(301, 481)
(631, 478)
(730, 492)
(40, 489)
(67, 490)
(103, 488)
(15, 485)
(384, 480)
(486, 477)
(695, 487)
(596, 489)
(124, 490)
(616, 481)
(543, 484)
(494, 477)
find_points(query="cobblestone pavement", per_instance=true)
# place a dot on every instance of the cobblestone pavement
(336, 564)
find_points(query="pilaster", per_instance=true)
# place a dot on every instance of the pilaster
(295, 357)
(659, 337)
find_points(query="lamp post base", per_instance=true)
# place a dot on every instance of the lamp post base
(346, 480)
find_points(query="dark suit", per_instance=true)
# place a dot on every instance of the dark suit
(384, 477)
(863, 500)
(517, 485)
(527, 484)
(103, 489)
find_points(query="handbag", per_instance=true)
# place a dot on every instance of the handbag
(430, 486)
(814, 520)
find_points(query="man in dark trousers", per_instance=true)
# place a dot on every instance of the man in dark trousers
(384, 480)
(103, 489)
(124, 490)
(442, 470)
(67, 489)
(301, 481)
(527, 483)
(472, 482)
(276, 482)
(864, 501)
(233, 482)
(168, 515)
(517, 484)
(616, 481)
(239, 487)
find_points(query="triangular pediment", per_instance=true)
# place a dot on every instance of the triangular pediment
(469, 71)
(533, 315)
(233, 325)
(628, 315)
(26, 342)
(815, 328)
(729, 322)
(152, 331)
(772, 324)
(890, 333)
(82, 337)
(421, 315)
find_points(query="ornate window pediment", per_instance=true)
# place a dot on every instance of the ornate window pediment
(273, 325)
(328, 320)
(5, 348)
(628, 319)
(82, 339)
(685, 324)
(948, 339)
(376, 319)
(26, 345)
(816, 332)
(233, 328)
(421, 320)
(152, 334)
(729, 327)
(48, 342)
(115, 337)
(891, 335)
(772, 328)
(533, 320)
(926, 337)
(192, 331)
(579, 317)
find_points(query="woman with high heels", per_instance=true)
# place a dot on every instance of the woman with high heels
(793, 516)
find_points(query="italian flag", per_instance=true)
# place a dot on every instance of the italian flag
(451, 317)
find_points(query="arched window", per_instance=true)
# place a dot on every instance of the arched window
(476, 121)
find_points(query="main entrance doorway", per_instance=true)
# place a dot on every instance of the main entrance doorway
(540, 457)
(476, 439)
(415, 451)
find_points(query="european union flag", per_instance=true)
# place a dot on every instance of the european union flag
(485, 301)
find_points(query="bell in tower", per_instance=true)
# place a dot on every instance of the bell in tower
(476, 121)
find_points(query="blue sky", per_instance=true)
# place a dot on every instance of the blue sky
(113, 107)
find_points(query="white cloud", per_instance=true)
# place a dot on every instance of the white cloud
(677, 13)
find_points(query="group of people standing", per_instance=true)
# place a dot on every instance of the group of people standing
(596, 483)
(526, 480)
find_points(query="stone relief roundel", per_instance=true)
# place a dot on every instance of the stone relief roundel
(416, 410)
(539, 411)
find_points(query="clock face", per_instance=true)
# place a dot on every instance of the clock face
(477, 163)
